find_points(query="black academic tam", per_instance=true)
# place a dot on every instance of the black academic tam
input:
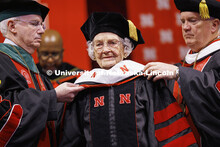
(193, 5)
(14, 8)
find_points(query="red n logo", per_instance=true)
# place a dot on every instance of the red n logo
(99, 102)
(125, 98)
(93, 75)
(124, 69)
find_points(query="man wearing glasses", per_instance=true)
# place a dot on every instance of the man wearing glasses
(28, 102)
(50, 56)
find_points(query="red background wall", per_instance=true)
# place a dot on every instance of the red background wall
(158, 21)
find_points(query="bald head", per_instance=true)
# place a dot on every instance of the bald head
(50, 52)
(51, 39)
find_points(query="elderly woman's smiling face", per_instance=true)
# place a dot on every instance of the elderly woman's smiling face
(108, 49)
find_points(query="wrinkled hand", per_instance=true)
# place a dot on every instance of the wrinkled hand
(159, 70)
(66, 92)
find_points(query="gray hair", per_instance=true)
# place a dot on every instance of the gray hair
(4, 25)
(128, 47)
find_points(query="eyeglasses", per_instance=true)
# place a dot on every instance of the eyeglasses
(34, 23)
(98, 45)
(46, 55)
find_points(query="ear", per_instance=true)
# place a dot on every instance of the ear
(125, 55)
(62, 53)
(11, 26)
(215, 25)
(93, 56)
(94, 59)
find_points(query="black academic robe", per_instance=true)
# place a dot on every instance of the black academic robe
(36, 107)
(133, 112)
(200, 88)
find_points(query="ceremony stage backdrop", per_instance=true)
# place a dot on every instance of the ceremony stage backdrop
(158, 20)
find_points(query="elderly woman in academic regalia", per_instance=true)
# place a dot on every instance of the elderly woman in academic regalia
(120, 107)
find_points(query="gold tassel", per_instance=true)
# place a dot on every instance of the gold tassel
(132, 31)
(203, 10)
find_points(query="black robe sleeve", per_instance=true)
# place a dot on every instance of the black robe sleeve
(73, 133)
(165, 118)
(201, 93)
(38, 106)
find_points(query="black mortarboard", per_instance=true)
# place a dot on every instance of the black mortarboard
(205, 8)
(14, 8)
(111, 22)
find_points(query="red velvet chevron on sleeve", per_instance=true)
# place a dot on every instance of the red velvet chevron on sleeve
(9, 122)
(172, 128)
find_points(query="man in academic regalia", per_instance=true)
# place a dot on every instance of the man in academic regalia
(196, 81)
(51, 65)
(121, 108)
(50, 56)
(28, 102)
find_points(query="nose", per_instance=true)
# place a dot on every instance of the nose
(106, 48)
(41, 29)
(186, 26)
(50, 59)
